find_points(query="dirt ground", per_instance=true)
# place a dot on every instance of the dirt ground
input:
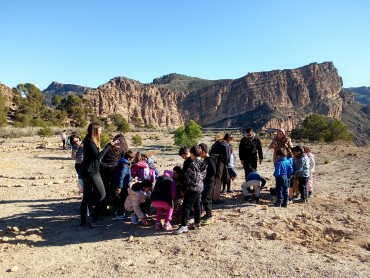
(39, 217)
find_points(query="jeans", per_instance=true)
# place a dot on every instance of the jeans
(94, 193)
(282, 186)
(302, 183)
(191, 199)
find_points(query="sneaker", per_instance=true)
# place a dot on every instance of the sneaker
(98, 223)
(284, 205)
(223, 191)
(310, 194)
(134, 218)
(121, 217)
(158, 226)
(167, 226)
(180, 230)
(194, 226)
(277, 204)
(207, 221)
(230, 191)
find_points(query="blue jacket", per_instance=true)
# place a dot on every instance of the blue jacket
(255, 176)
(292, 162)
(122, 175)
(303, 166)
(282, 167)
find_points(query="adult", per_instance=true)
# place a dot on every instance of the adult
(280, 141)
(220, 151)
(90, 172)
(250, 151)
(63, 135)
(108, 165)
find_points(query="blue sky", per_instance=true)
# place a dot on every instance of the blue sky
(88, 42)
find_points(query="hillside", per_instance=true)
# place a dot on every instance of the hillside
(173, 99)
(62, 90)
(362, 94)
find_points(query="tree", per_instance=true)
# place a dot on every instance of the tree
(314, 126)
(337, 130)
(3, 111)
(120, 122)
(136, 121)
(136, 140)
(45, 131)
(188, 134)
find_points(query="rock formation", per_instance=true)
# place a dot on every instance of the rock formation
(169, 101)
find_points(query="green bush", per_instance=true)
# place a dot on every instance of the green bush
(3, 111)
(120, 122)
(45, 131)
(188, 134)
(136, 140)
(318, 127)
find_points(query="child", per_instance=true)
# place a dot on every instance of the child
(122, 180)
(193, 186)
(291, 173)
(179, 198)
(302, 171)
(311, 157)
(162, 199)
(231, 170)
(136, 201)
(140, 170)
(185, 154)
(209, 182)
(282, 168)
(77, 154)
(253, 180)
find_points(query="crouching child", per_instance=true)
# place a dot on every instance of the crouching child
(138, 201)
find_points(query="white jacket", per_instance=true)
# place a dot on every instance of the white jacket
(133, 201)
(312, 162)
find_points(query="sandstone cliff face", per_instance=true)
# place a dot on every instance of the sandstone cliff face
(309, 89)
(154, 105)
(288, 88)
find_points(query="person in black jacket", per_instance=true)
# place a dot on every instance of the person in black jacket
(192, 187)
(220, 150)
(90, 172)
(108, 166)
(250, 150)
(208, 183)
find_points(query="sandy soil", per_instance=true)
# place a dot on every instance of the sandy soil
(39, 215)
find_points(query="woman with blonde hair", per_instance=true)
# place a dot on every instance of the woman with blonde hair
(90, 172)
(281, 141)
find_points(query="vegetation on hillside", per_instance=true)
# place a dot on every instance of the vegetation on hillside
(318, 127)
(3, 110)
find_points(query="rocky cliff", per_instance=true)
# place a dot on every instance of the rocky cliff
(62, 90)
(8, 94)
(288, 95)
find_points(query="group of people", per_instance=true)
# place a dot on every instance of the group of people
(130, 184)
